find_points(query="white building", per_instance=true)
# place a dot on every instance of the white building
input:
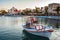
(43, 10)
(52, 7)
(13, 10)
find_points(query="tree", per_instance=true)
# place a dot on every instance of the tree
(57, 10)
(46, 10)
(27, 12)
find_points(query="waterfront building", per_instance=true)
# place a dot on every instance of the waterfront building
(2, 12)
(13, 10)
(52, 7)
(44, 10)
(38, 9)
(27, 11)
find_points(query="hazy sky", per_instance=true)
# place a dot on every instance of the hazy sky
(21, 4)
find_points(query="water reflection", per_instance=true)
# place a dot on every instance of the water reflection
(11, 29)
(28, 36)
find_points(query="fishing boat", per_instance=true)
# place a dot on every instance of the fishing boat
(38, 29)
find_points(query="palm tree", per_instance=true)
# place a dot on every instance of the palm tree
(58, 10)
(46, 10)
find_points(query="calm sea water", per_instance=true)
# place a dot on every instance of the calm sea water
(11, 29)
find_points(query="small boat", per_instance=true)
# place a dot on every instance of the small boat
(38, 29)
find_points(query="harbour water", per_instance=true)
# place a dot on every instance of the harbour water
(11, 29)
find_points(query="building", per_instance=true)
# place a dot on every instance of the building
(43, 9)
(52, 7)
(38, 9)
(2, 12)
(13, 10)
(27, 11)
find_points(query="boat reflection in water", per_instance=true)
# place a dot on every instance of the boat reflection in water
(29, 36)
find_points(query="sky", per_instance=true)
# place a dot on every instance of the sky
(22, 4)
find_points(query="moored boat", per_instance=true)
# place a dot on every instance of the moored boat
(45, 32)
(38, 29)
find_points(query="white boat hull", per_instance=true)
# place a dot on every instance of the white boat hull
(34, 32)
